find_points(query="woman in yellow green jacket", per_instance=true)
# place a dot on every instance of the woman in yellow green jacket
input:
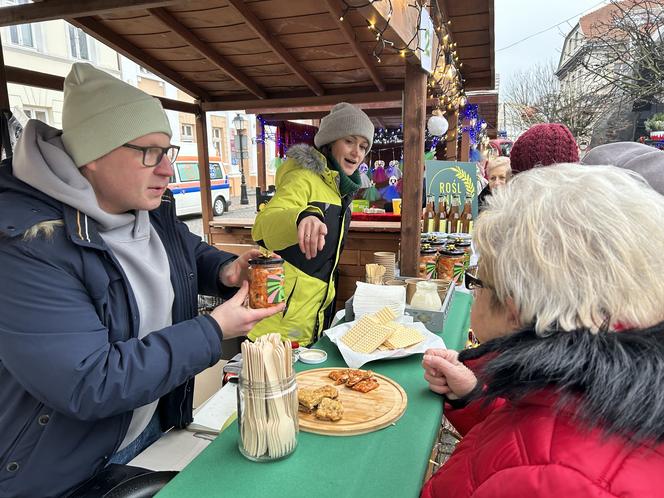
(308, 217)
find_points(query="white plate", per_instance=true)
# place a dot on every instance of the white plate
(356, 360)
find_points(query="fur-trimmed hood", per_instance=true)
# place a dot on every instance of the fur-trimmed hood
(308, 157)
(613, 380)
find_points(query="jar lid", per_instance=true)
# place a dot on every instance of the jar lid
(462, 242)
(312, 356)
(266, 261)
(427, 250)
(451, 250)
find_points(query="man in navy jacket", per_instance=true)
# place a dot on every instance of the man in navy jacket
(99, 333)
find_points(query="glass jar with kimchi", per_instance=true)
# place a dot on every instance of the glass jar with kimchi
(266, 282)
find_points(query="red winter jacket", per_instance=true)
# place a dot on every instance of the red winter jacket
(531, 449)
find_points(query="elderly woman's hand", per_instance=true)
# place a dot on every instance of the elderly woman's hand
(446, 374)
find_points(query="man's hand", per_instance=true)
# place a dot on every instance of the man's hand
(446, 374)
(236, 320)
(311, 234)
(236, 272)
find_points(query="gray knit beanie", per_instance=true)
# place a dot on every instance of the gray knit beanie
(344, 119)
(101, 112)
(645, 160)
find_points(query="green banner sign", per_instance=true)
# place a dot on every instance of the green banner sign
(447, 178)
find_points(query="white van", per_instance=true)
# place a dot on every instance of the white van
(186, 186)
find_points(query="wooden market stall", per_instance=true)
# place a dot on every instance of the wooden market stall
(287, 60)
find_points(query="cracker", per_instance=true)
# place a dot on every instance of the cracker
(372, 339)
(403, 337)
(384, 316)
(358, 330)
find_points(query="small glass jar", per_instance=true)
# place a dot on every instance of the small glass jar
(427, 262)
(267, 418)
(426, 297)
(464, 245)
(450, 264)
(266, 282)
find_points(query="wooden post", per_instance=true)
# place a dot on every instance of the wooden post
(203, 169)
(451, 154)
(414, 117)
(464, 154)
(260, 155)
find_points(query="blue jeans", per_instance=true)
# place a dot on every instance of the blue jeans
(149, 435)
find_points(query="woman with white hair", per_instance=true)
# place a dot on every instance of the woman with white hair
(498, 172)
(564, 395)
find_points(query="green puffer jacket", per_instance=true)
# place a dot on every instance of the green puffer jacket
(304, 184)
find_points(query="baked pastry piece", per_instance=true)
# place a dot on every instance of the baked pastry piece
(308, 399)
(366, 385)
(355, 376)
(339, 376)
(330, 409)
(327, 392)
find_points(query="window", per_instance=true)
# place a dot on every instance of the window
(216, 141)
(35, 113)
(188, 172)
(78, 44)
(187, 133)
(216, 173)
(21, 34)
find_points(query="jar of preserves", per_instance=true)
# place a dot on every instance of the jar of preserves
(450, 265)
(266, 282)
(427, 262)
(426, 297)
(464, 245)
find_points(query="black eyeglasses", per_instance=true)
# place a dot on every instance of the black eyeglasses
(472, 282)
(153, 155)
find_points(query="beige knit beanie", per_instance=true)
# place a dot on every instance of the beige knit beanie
(101, 112)
(344, 119)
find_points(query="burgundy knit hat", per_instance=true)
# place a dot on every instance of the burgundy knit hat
(542, 145)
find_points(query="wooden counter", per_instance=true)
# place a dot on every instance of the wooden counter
(364, 238)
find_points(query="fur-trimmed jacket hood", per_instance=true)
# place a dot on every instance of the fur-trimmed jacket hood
(614, 379)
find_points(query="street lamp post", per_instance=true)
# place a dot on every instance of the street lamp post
(240, 124)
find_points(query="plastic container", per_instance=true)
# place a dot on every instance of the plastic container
(426, 297)
(312, 356)
(263, 405)
(450, 264)
(266, 282)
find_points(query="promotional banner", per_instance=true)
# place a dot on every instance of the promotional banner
(446, 178)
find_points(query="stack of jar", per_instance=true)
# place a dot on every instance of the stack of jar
(444, 259)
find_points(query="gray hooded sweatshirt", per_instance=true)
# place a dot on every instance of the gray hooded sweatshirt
(40, 160)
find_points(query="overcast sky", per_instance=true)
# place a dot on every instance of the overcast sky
(518, 19)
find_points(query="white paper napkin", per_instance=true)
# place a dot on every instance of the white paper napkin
(370, 298)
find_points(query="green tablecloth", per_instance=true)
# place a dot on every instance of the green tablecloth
(390, 462)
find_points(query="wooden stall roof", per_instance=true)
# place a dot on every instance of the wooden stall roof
(252, 54)
(472, 28)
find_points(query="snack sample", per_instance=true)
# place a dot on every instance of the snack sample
(330, 409)
(378, 331)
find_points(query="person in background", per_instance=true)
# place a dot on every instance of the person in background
(542, 145)
(562, 396)
(498, 172)
(99, 334)
(308, 218)
(641, 158)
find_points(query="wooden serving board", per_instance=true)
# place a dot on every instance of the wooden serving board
(363, 412)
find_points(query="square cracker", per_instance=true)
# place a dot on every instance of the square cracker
(403, 337)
